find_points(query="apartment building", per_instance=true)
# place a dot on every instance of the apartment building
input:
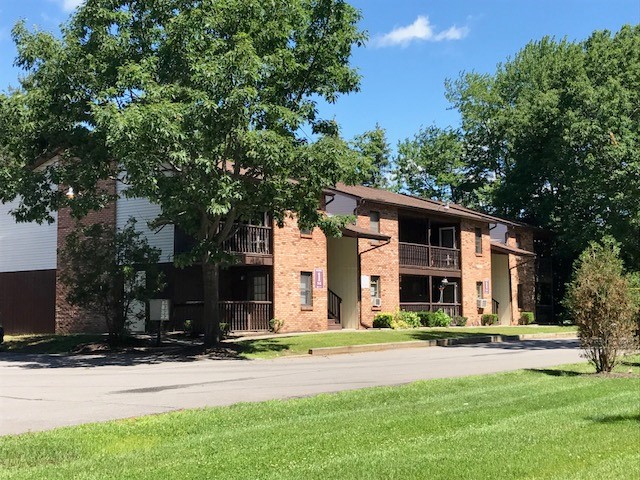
(401, 253)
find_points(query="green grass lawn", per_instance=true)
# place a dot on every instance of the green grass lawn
(300, 345)
(555, 423)
(281, 346)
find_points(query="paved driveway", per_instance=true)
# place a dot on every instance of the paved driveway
(43, 392)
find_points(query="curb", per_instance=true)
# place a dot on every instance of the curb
(440, 342)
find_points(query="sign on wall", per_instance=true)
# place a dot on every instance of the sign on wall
(365, 282)
(318, 278)
(487, 286)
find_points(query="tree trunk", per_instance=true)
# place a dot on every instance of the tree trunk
(211, 319)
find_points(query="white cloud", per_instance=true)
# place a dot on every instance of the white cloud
(69, 5)
(421, 29)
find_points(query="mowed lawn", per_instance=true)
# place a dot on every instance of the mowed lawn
(556, 423)
(300, 344)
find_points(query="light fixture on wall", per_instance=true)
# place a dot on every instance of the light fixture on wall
(443, 283)
(70, 194)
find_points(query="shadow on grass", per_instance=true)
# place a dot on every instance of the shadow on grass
(249, 347)
(556, 372)
(630, 364)
(616, 418)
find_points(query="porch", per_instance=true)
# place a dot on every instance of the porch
(430, 293)
(246, 300)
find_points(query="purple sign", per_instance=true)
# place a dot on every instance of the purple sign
(486, 286)
(318, 278)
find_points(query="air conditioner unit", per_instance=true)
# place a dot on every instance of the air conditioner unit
(482, 303)
(376, 302)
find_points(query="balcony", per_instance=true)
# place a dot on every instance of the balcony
(250, 240)
(426, 256)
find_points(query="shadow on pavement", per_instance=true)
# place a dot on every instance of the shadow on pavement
(121, 359)
(552, 344)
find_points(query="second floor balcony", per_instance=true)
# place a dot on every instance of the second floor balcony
(250, 240)
(427, 256)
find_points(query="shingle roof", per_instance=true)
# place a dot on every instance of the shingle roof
(409, 201)
(500, 247)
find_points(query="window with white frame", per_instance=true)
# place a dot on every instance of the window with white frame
(306, 289)
(375, 290)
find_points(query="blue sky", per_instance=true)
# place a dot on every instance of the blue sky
(414, 46)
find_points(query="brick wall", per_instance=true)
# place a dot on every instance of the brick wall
(294, 253)
(474, 268)
(71, 319)
(522, 271)
(382, 261)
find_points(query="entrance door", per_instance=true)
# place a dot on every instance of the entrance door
(258, 286)
(447, 237)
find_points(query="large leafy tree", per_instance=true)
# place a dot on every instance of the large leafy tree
(374, 148)
(206, 107)
(554, 134)
(432, 165)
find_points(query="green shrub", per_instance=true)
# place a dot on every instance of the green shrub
(441, 319)
(276, 324)
(383, 320)
(526, 318)
(434, 319)
(404, 319)
(490, 319)
(459, 321)
(425, 318)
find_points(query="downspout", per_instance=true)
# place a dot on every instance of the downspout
(355, 212)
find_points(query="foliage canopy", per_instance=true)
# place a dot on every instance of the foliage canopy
(207, 108)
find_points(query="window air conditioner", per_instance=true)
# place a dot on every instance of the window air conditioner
(376, 302)
(482, 303)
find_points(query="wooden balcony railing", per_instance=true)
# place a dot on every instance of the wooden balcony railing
(250, 239)
(245, 315)
(417, 255)
(451, 309)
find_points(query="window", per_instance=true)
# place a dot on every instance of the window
(479, 290)
(375, 289)
(520, 296)
(478, 240)
(306, 232)
(374, 221)
(306, 289)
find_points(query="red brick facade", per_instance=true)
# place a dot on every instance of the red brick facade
(522, 272)
(381, 259)
(475, 268)
(294, 253)
(71, 319)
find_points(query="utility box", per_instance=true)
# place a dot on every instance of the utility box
(159, 309)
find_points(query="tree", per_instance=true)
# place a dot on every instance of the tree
(200, 106)
(600, 301)
(553, 138)
(106, 271)
(373, 146)
(432, 165)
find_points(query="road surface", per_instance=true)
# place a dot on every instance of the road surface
(47, 391)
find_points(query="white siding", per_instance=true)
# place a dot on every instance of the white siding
(144, 211)
(341, 205)
(26, 246)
